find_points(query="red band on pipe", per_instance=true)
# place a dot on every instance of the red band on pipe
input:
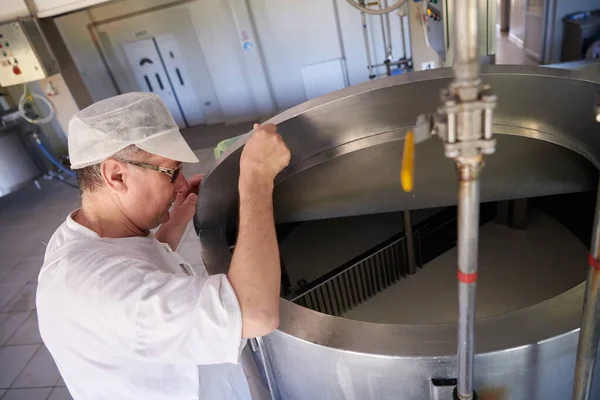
(466, 278)
(593, 262)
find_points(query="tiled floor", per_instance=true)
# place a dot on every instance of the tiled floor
(508, 52)
(27, 220)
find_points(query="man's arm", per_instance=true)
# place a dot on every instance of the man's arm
(255, 272)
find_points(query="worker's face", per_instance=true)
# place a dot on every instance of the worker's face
(150, 194)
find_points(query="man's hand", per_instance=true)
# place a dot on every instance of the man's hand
(184, 206)
(264, 156)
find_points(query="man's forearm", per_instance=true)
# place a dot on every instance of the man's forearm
(255, 272)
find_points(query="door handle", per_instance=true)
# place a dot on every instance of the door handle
(179, 76)
(159, 82)
(148, 83)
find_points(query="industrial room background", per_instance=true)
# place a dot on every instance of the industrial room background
(354, 246)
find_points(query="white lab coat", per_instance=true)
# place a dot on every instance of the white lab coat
(128, 319)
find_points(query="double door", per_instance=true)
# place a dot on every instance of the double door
(158, 67)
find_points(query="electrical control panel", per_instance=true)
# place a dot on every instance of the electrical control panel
(24, 53)
(436, 31)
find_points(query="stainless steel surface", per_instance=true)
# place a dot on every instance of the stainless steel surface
(410, 243)
(344, 290)
(589, 335)
(16, 167)
(261, 355)
(345, 161)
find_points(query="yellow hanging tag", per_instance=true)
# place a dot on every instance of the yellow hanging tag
(408, 163)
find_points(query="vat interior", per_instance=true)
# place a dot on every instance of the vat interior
(517, 267)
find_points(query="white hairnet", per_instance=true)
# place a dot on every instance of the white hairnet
(108, 126)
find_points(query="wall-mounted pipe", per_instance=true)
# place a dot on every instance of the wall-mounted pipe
(363, 8)
(404, 55)
(387, 39)
(363, 18)
(388, 32)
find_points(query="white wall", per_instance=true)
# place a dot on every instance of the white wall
(176, 21)
(218, 39)
(48, 8)
(13, 9)
(73, 29)
(286, 35)
(239, 95)
(352, 38)
(294, 33)
(297, 33)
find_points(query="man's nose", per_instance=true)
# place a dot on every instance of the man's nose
(181, 184)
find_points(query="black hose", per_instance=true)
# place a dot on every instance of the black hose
(68, 183)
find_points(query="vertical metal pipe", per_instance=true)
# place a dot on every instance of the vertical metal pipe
(590, 321)
(468, 231)
(388, 33)
(386, 44)
(404, 55)
(410, 243)
(363, 18)
(466, 60)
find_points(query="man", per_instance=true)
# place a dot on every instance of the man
(123, 315)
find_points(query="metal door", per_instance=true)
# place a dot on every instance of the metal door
(150, 74)
(180, 80)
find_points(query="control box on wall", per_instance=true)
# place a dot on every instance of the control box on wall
(25, 55)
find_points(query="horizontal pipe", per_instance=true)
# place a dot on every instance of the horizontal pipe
(385, 10)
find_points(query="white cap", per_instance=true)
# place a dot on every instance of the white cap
(108, 126)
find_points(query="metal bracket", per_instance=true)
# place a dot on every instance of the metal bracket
(467, 125)
(476, 115)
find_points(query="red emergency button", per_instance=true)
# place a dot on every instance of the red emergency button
(17, 70)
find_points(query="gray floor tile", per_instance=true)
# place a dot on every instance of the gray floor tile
(60, 393)
(13, 360)
(10, 323)
(41, 371)
(24, 301)
(60, 382)
(2, 391)
(27, 394)
(21, 271)
(28, 333)
(8, 291)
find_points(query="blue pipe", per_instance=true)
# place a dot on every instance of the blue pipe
(54, 160)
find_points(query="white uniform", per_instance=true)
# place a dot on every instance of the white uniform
(124, 319)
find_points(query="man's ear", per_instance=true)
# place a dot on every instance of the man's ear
(113, 174)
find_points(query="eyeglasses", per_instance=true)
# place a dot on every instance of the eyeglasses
(172, 173)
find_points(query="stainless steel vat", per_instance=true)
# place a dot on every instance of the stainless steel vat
(345, 161)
